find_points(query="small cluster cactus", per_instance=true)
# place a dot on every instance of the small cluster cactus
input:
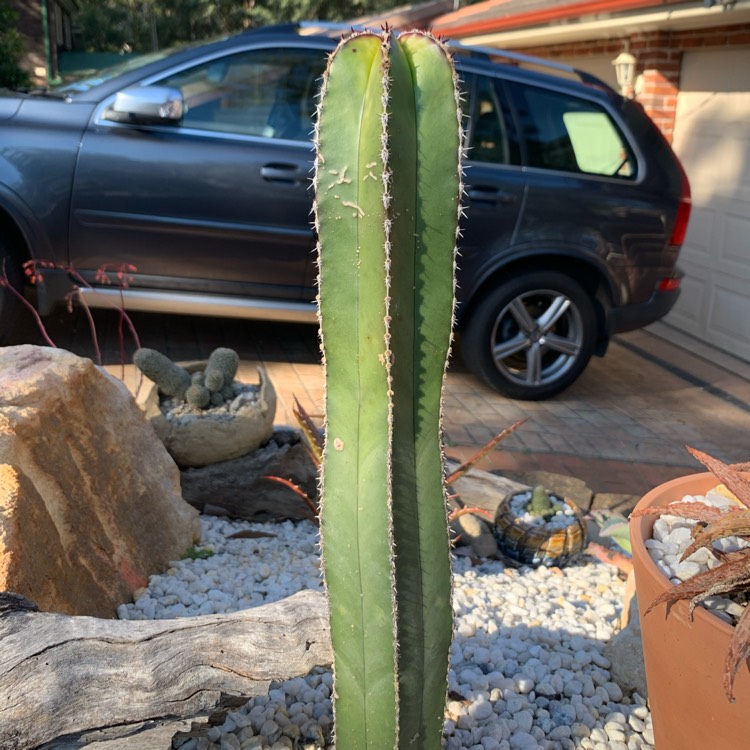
(540, 504)
(201, 389)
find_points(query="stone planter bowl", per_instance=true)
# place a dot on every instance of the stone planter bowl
(206, 438)
(537, 545)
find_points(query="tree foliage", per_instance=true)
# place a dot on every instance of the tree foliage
(11, 49)
(109, 25)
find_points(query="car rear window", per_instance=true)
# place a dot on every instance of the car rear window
(566, 133)
(489, 133)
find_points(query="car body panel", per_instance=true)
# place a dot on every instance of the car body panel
(141, 196)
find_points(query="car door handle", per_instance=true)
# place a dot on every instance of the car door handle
(488, 194)
(288, 173)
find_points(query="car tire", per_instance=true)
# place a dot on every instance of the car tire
(531, 336)
(10, 305)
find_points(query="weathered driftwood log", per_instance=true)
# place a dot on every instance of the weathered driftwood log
(63, 676)
(481, 489)
(239, 487)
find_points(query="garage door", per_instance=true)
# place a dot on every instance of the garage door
(712, 138)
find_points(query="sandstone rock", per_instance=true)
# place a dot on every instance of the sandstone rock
(239, 488)
(90, 501)
(471, 530)
(205, 437)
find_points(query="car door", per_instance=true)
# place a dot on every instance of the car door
(495, 183)
(219, 202)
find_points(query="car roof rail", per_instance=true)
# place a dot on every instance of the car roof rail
(328, 28)
(307, 28)
(491, 53)
(331, 28)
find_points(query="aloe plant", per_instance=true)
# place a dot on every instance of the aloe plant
(388, 186)
(732, 575)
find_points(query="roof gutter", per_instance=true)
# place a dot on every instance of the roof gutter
(605, 28)
(486, 21)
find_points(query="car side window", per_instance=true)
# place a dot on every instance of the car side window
(487, 136)
(563, 132)
(269, 93)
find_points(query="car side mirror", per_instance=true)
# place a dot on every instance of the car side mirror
(147, 104)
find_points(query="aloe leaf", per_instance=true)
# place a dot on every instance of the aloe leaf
(739, 650)
(311, 433)
(696, 511)
(734, 523)
(730, 576)
(482, 452)
(733, 479)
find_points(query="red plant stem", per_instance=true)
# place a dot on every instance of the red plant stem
(453, 515)
(92, 326)
(6, 283)
(466, 467)
(299, 491)
(120, 308)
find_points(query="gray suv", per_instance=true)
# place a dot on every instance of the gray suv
(193, 168)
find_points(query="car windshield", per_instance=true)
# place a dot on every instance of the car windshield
(130, 62)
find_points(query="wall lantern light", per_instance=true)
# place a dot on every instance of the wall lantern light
(625, 71)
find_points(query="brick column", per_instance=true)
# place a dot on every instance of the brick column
(658, 63)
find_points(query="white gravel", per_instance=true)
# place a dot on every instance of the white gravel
(527, 670)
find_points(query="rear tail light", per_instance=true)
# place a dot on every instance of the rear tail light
(670, 284)
(683, 211)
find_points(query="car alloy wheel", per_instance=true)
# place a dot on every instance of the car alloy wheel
(532, 336)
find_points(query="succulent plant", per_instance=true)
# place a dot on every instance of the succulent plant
(200, 389)
(172, 379)
(198, 396)
(221, 368)
(541, 504)
(733, 574)
(388, 186)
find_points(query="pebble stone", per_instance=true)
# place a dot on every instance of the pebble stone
(671, 537)
(526, 665)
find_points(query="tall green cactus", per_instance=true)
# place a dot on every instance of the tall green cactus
(388, 187)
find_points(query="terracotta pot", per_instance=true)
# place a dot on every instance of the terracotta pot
(685, 660)
(538, 545)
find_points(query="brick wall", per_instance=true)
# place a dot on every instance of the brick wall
(658, 62)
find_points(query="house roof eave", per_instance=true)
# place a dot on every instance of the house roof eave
(515, 32)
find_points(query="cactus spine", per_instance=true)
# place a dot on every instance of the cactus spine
(388, 186)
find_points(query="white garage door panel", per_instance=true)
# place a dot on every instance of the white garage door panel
(734, 249)
(691, 310)
(729, 317)
(712, 138)
(697, 247)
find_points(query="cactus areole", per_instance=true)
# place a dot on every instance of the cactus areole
(388, 188)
